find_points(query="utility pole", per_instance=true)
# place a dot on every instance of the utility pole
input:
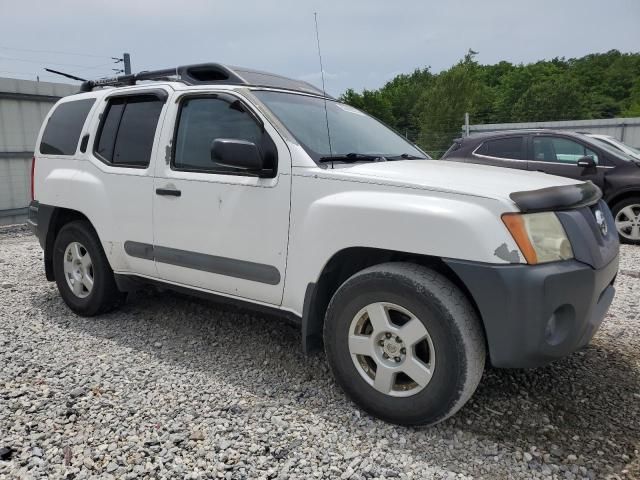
(127, 63)
(466, 124)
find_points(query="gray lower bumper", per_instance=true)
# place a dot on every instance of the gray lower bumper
(32, 220)
(535, 314)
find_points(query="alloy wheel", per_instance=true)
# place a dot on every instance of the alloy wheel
(628, 222)
(78, 269)
(391, 349)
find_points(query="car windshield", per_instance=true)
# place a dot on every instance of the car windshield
(622, 145)
(353, 133)
(604, 145)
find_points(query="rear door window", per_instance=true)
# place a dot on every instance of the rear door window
(509, 148)
(62, 133)
(128, 130)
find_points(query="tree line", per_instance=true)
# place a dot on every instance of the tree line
(428, 108)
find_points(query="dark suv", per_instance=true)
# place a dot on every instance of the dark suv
(566, 154)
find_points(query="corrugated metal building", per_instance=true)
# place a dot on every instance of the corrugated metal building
(626, 130)
(23, 106)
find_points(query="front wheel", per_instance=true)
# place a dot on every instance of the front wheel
(627, 217)
(83, 274)
(404, 343)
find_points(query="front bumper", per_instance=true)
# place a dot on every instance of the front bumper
(534, 314)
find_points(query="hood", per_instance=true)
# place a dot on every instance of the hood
(463, 178)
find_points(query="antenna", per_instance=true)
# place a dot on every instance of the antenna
(68, 75)
(324, 92)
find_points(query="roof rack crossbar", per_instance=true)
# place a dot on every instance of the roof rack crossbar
(188, 74)
(204, 74)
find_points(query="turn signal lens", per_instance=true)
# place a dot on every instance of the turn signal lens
(539, 236)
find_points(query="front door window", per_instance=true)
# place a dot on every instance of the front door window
(560, 150)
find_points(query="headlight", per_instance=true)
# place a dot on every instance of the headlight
(540, 236)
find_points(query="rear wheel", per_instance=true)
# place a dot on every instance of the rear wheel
(404, 343)
(627, 217)
(83, 275)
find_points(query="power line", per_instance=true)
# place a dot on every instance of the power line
(34, 75)
(98, 66)
(22, 73)
(51, 63)
(78, 69)
(53, 51)
(30, 75)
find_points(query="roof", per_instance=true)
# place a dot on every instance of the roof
(520, 131)
(505, 133)
(208, 74)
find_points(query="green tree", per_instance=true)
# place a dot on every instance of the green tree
(373, 102)
(553, 98)
(429, 108)
(441, 108)
(633, 104)
(402, 92)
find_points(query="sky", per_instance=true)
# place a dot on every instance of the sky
(364, 43)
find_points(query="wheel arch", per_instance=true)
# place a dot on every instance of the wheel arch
(347, 262)
(623, 195)
(59, 218)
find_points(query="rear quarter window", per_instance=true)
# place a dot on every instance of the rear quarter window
(63, 129)
(509, 148)
(454, 147)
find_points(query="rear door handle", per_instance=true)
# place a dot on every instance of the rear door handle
(83, 143)
(168, 191)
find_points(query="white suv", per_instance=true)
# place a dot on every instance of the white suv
(251, 187)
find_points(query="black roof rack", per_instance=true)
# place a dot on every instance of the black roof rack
(206, 74)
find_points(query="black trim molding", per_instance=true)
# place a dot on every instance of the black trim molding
(256, 272)
(565, 197)
(130, 283)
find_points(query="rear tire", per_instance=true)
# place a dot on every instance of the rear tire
(627, 217)
(83, 274)
(415, 327)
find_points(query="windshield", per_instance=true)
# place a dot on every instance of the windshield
(352, 131)
(621, 145)
(616, 152)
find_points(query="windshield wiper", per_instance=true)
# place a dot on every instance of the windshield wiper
(404, 156)
(353, 157)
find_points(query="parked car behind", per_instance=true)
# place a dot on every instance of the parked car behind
(615, 143)
(567, 154)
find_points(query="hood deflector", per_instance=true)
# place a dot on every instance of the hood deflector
(566, 197)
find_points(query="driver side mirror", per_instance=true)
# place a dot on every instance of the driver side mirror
(238, 154)
(586, 162)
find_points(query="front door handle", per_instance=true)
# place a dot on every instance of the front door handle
(168, 191)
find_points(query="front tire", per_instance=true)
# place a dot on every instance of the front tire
(627, 217)
(404, 343)
(83, 274)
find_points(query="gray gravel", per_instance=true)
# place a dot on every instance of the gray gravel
(175, 387)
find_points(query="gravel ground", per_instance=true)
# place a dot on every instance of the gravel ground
(175, 387)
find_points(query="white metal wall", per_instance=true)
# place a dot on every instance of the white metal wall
(624, 129)
(23, 106)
